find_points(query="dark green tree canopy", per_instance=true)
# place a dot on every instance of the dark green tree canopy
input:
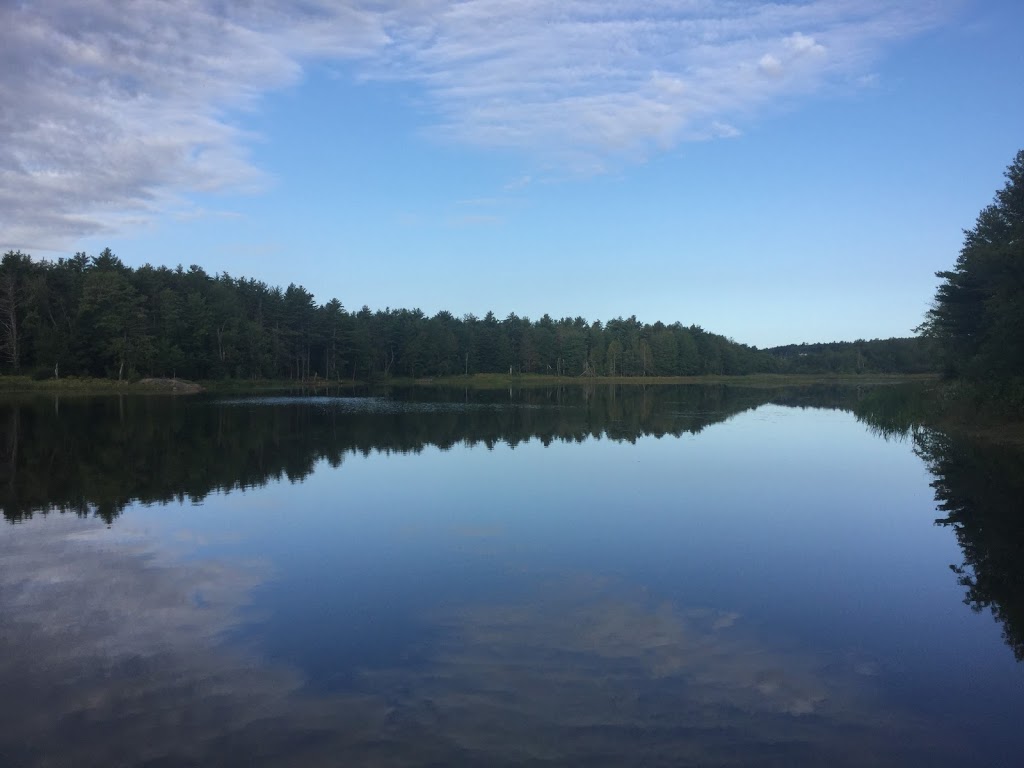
(96, 316)
(978, 314)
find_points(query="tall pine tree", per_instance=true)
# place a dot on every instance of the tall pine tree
(978, 314)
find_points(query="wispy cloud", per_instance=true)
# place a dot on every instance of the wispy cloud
(110, 111)
(607, 77)
(522, 182)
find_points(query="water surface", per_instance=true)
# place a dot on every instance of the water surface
(582, 576)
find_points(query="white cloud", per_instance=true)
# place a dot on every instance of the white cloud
(802, 44)
(770, 65)
(111, 111)
(108, 110)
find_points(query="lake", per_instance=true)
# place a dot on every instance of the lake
(594, 576)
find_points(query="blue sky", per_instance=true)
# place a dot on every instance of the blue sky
(774, 172)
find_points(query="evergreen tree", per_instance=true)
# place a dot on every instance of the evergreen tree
(978, 314)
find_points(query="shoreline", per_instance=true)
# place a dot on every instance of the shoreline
(944, 405)
(482, 381)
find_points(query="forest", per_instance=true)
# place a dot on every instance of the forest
(899, 355)
(95, 316)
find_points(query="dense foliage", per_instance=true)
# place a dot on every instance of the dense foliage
(913, 355)
(978, 314)
(95, 316)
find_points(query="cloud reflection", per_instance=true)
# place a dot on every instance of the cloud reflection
(112, 653)
(109, 655)
(589, 672)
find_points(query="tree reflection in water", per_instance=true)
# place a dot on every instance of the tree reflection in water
(979, 489)
(97, 455)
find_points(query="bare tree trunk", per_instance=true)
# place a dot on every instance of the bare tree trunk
(124, 350)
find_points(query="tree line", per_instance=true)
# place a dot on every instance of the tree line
(95, 316)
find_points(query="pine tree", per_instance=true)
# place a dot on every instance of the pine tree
(978, 314)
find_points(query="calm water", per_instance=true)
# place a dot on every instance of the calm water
(672, 576)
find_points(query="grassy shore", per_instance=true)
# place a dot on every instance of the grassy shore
(92, 386)
(73, 384)
(504, 381)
